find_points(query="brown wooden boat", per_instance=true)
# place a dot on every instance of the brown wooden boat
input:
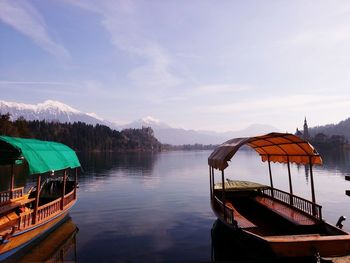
(25, 217)
(283, 223)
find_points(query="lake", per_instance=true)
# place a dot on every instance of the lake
(139, 207)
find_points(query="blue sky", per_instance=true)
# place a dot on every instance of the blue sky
(214, 65)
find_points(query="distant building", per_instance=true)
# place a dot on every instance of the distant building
(305, 133)
(299, 133)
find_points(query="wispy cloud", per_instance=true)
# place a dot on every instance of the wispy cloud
(221, 88)
(125, 27)
(325, 36)
(293, 103)
(24, 18)
(6, 82)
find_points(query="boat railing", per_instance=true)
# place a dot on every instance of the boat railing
(227, 212)
(44, 211)
(25, 220)
(297, 202)
(48, 209)
(5, 196)
(68, 198)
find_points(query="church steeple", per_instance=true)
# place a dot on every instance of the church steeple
(306, 130)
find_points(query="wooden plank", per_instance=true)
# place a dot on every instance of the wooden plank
(285, 211)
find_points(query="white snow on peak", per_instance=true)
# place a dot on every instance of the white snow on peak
(16, 105)
(46, 105)
(52, 104)
(150, 120)
(94, 115)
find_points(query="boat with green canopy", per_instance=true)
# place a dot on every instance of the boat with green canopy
(277, 221)
(25, 216)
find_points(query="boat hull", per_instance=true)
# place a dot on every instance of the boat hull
(303, 246)
(20, 240)
(291, 246)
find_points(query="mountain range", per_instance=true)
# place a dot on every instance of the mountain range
(51, 110)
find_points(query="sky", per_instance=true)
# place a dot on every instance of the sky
(196, 64)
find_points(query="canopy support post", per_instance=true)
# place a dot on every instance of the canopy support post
(312, 187)
(211, 192)
(64, 188)
(12, 181)
(290, 183)
(223, 192)
(271, 182)
(36, 204)
(75, 183)
(212, 181)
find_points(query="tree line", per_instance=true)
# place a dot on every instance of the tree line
(81, 136)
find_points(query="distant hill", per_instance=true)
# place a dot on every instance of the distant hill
(81, 136)
(178, 136)
(341, 128)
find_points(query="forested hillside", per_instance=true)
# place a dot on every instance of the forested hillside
(81, 136)
(342, 128)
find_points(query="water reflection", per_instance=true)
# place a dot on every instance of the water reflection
(58, 246)
(337, 160)
(97, 163)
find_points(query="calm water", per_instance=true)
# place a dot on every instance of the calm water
(155, 207)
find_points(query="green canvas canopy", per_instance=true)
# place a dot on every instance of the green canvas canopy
(42, 156)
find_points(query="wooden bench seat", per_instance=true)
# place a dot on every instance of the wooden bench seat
(293, 215)
(241, 220)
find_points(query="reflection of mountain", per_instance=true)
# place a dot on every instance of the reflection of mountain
(98, 162)
(58, 246)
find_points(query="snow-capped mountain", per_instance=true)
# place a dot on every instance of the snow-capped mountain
(147, 121)
(49, 110)
(57, 111)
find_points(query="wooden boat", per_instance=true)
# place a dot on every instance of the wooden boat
(282, 223)
(24, 217)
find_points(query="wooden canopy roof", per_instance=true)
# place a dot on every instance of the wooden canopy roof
(276, 147)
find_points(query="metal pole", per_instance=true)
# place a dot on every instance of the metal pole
(212, 180)
(290, 183)
(223, 192)
(211, 195)
(36, 205)
(312, 187)
(271, 182)
(12, 181)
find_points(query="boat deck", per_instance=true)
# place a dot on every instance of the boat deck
(296, 217)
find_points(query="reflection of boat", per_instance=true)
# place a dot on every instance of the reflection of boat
(25, 217)
(58, 246)
(280, 222)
